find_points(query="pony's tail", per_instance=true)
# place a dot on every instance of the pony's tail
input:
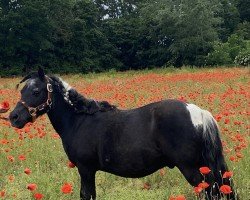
(212, 155)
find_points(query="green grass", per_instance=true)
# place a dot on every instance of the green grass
(48, 162)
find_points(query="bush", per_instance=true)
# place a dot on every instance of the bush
(226, 53)
(236, 44)
(220, 55)
(243, 58)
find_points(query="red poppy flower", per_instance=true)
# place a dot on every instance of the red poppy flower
(204, 170)
(203, 185)
(226, 121)
(27, 171)
(22, 157)
(55, 136)
(198, 190)
(11, 158)
(162, 172)
(239, 155)
(11, 178)
(4, 141)
(228, 174)
(5, 105)
(2, 193)
(146, 186)
(225, 189)
(71, 165)
(232, 158)
(31, 186)
(66, 188)
(180, 197)
(38, 196)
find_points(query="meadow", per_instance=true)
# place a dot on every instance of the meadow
(33, 164)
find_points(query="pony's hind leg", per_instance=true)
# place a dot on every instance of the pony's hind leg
(191, 174)
(194, 177)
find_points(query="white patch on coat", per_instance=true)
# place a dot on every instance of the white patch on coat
(195, 114)
(210, 125)
(203, 118)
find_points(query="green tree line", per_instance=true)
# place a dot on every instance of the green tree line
(72, 36)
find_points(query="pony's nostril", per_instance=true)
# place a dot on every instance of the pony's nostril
(15, 117)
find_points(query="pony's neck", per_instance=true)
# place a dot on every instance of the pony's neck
(61, 115)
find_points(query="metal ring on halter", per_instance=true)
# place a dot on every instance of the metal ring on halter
(49, 87)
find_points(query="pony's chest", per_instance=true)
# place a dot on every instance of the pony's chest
(70, 151)
(80, 150)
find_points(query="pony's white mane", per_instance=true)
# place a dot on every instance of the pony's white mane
(67, 87)
(78, 101)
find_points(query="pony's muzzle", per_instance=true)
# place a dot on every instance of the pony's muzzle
(14, 117)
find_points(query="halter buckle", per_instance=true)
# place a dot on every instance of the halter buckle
(32, 111)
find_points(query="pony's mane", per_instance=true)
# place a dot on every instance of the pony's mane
(77, 101)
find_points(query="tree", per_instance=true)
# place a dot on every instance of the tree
(60, 35)
(244, 10)
(190, 25)
(230, 18)
(94, 52)
(96, 35)
(137, 37)
(116, 8)
(23, 34)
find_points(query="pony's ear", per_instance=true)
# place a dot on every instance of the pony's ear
(41, 73)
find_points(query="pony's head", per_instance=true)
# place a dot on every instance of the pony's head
(35, 99)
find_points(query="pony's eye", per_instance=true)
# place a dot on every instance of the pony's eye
(36, 92)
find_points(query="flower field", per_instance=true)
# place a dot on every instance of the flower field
(33, 164)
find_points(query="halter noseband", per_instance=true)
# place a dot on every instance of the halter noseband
(45, 106)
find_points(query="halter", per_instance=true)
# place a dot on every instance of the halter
(45, 106)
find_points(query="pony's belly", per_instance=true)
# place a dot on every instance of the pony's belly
(131, 173)
(134, 168)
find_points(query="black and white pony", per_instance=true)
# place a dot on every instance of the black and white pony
(128, 143)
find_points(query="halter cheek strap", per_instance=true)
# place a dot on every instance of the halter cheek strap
(43, 107)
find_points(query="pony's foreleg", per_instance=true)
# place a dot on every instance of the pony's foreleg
(87, 191)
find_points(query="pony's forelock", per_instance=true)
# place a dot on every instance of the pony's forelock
(29, 76)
